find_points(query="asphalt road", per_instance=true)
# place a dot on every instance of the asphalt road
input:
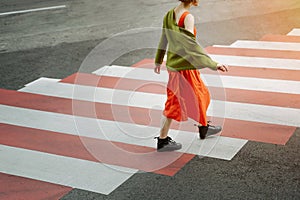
(54, 43)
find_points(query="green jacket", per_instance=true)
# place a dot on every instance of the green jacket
(184, 53)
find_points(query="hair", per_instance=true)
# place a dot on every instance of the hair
(186, 1)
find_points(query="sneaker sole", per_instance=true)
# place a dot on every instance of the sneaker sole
(213, 133)
(164, 149)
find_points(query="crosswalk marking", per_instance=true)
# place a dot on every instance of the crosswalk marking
(240, 71)
(281, 38)
(257, 84)
(262, 53)
(233, 110)
(16, 187)
(258, 100)
(287, 46)
(295, 32)
(117, 131)
(125, 155)
(262, 132)
(232, 95)
(96, 177)
(257, 62)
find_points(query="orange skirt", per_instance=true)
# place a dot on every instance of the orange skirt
(188, 97)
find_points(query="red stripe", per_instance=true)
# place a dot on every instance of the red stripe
(114, 153)
(262, 132)
(281, 38)
(115, 83)
(263, 53)
(234, 95)
(265, 73)
(146, 63)
(281, 74)
(14, 187)
(259, 132)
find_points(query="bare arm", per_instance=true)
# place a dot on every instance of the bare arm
(189, 23)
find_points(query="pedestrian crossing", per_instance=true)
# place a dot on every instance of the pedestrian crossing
(213, 80)
(94, 131)
(62, 170)
(280, 38)
(283, 46)
(295, 32)
(235, 110)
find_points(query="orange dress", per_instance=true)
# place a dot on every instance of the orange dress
(187, 95)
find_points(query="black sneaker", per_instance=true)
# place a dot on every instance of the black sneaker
(208, 130)
(167, 144)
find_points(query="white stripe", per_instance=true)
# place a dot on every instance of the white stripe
(236, 82)
(43, 78)
(76, 173)
(102, 95)
(240, 111)
(286, 46)
(294, 32)
(256, 84)
(219, 45)
(260, 113)
(216, 147)
(257, 62)
(32, 10)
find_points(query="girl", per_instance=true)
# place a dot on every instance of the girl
(187, 95)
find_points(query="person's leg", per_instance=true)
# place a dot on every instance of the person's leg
(164, 142)
(199, 100)
(166, 123)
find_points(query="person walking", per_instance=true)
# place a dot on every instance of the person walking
(187, 95)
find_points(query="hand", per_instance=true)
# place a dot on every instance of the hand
(222, 68)
(157, 69)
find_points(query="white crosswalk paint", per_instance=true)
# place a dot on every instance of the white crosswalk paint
(256, 62)
(64, 170)
(102, 129)
(76, 173)
(215, 147)
(286, 46)
(294, 32)
(258, 84)
(234, 110)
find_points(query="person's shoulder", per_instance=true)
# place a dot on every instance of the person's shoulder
(189, 23)
(169, 14)
(189, 18)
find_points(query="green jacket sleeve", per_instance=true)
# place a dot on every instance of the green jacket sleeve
(184, 53)
(195, 53)
(161, 50)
